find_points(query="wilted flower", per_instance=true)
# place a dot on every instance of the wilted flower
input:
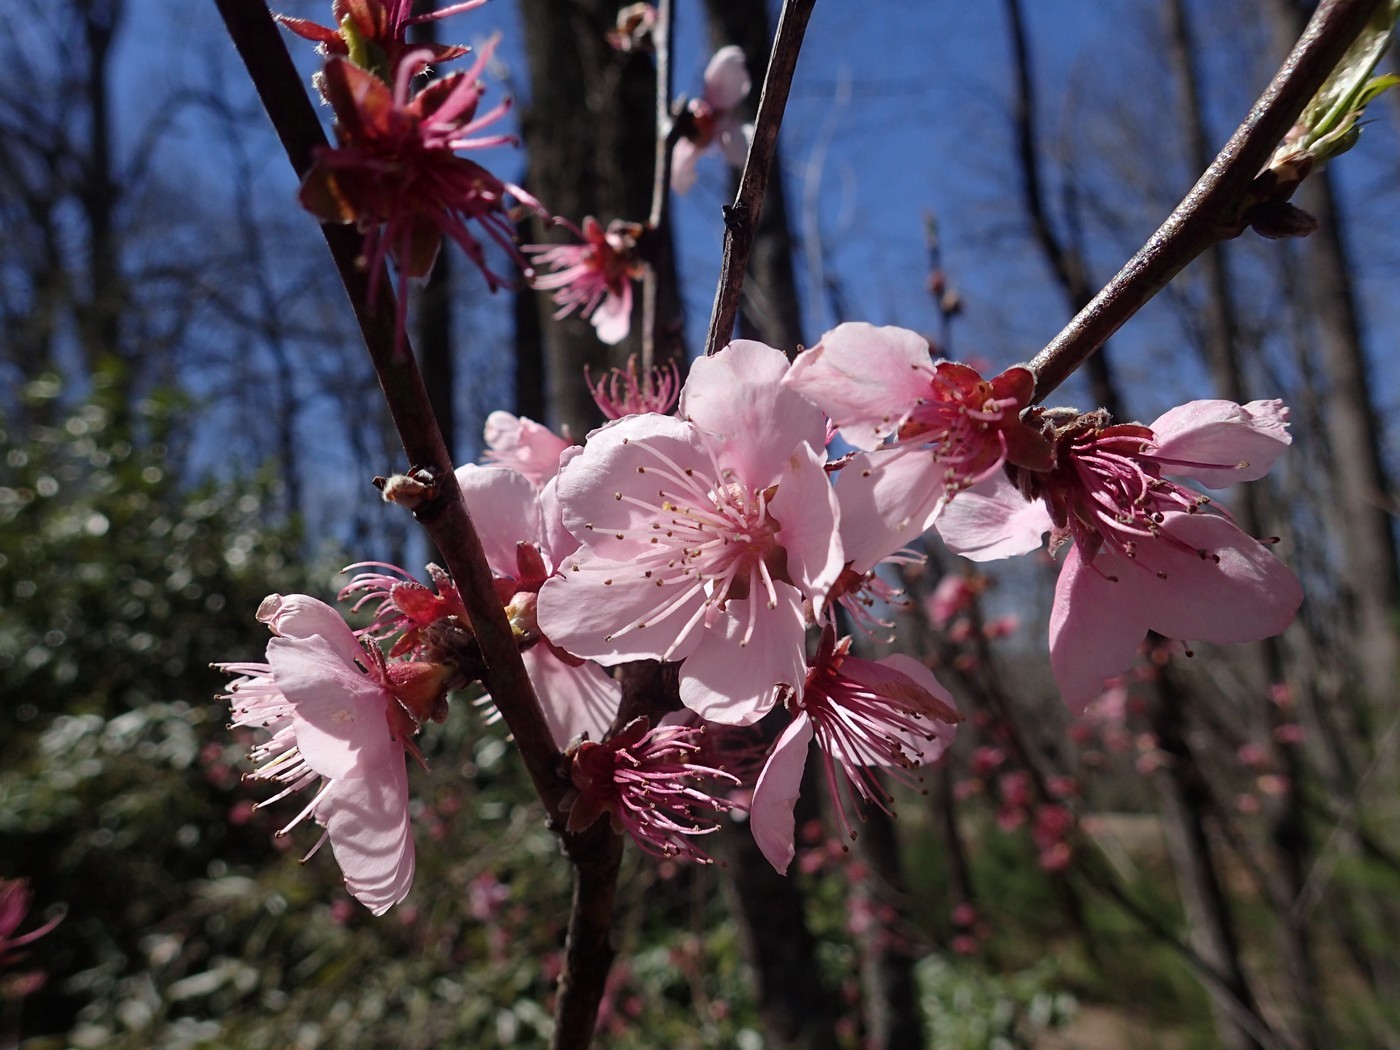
(595, 277)
(623, 393)
(374, 33)
(865, 715)
(646, 781)
(633, 30)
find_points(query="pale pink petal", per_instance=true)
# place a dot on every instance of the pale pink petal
(557, 542)
(612, 319)
(683, 161)
(1096, 626)
(727, 80)
(524, 445)
(805, 506)
(775, 794)
(584, 614)
(734, 141)
(992, 520)
(367, 818)
(301, 616)
(338, 711)
(867, 379)
(608, 495)
(504, 505)
(1247, 595)
(754, 423)
(888, 499)
(1219, 443)
(576, 700)
(730, 680)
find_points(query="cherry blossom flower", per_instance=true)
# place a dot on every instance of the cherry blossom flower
(523, 445)
(622, 392)
(395, 172)
(715, 118)
(374, 33)
(1148, 554)
(890, 714)
(648, 782)
(946, 427)
(703, 537)
(15, 899)
(340, 720)
(594, 278)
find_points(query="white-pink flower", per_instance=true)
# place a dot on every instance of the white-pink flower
(339, 725)
(716, 121)
(1148, 554)
(704, 538)
(890, 714)
(521, 444)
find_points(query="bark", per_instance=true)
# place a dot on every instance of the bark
(893, 1018)
(1222, 335)
(590, 132)
(1185, 797)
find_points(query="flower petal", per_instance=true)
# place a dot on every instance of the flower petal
(992, 520)
(727, 81)
(805, 507)
(888, 498)
(732, 681)
(367, 819)
(1096, 626)
(504, 506)
(575, 699)
(775, 794)
(1219, 443)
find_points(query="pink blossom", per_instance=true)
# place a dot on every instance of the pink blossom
(890, 714)
(340, 720)
(623, 393)
(632, 32)
(594, 278)
(715, 118)
(15, 899)
(648, 782)
(1147, 553)
(523, 445)
(954, 594)
(703, 537)
(948, 427)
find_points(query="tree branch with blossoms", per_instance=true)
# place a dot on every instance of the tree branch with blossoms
(1238, 191)
(440, 509)
(741, 218)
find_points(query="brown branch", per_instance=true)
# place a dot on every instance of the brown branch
(741, 219)
(663, 37)
(278, 84)
(1214, 208)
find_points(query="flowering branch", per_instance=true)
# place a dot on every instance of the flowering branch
(1218, 206)
(443, 513)
(741, 219)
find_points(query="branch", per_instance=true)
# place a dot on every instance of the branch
(741, 220)
(1213, 210)
(663, 37)
(279, 86)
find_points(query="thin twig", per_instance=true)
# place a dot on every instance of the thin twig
(741, 219)
(279, 85)
(1213, 210)
(663, 37)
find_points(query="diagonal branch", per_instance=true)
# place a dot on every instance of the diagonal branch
(741, 219)
(1214, 209)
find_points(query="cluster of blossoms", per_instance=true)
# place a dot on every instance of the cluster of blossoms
(714, 539)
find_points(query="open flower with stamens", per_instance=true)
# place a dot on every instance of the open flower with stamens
(703, 537)
(930, 429)
(622, 392)
(340, 720)
(374, 33)
(649, 783)
(395, 172)
(595, 277)
(1147, 553)
(865, 715)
